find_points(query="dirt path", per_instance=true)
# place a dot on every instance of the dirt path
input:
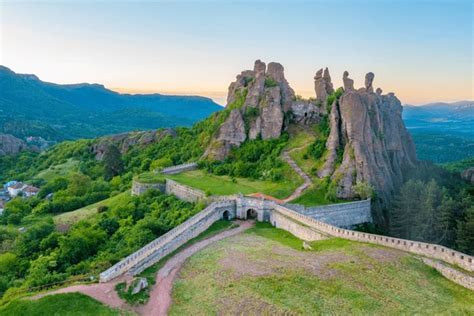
(103, 292)
(160, 296)
(307, 180)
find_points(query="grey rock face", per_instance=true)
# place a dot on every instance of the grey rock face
(333, 143)
(10, 145)
(369, 79)
(125, 141)
(268, 94)
(139, 284)
(348, 82)
(322, 84)
(468, 175)
(305, 112)
(231, 134)
(272, 114)
(377, 145)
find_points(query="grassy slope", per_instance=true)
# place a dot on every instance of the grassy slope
(71, 304)
(86, 211)
(223, 185)
(298, 144)
(354, 281)
(58, 170)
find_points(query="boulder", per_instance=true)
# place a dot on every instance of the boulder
(138, 285)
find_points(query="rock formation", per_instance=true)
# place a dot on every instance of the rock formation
(258, 100)
(125, 141)
(322, 84)
(468, 175)
(10, 145)
(377, 147)
(368, 141)
(231, 134)
(348, 82)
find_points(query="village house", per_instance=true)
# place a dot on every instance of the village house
(30, 191)
(20, 188)
(15, 189)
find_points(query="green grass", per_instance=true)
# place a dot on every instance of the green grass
(60, 170)
(223, 185)
(71, 304)
(150, 177)
(315, 195)
(72, 217)
(338, 277)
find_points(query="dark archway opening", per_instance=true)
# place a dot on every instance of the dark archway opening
(251, 213)
(226, 216)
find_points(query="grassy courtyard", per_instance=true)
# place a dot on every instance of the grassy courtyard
(265, 271)
(224, 185)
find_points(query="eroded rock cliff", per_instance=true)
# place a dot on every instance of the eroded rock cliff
(377, 147)
(125, 141)
(10, 145)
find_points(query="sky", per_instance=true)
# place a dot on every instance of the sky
(421, 50)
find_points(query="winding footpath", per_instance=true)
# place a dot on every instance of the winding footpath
(307, 180)
(160, 295)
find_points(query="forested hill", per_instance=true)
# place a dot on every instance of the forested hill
(31, 107)
(443, 132)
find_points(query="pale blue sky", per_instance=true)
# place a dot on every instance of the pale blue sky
(421, 50)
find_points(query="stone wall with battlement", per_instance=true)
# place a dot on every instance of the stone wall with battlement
(301, 225)
(167, 243)
(180, 168)
(341, 215)
(416, 247)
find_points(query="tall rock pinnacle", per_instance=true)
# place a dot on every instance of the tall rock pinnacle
(322, 84)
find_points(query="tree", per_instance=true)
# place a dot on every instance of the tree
(363, 190)
(465, 233)
(113, 162)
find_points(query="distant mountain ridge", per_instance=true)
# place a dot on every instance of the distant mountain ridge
(31, 107)
(443, 132)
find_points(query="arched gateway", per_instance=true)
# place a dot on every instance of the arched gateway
(252, 214)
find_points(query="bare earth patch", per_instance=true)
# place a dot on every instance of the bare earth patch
(262, 259)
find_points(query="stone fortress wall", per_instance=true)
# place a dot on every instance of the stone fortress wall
(180, 168)
(172, 240)
(309, 224)
(183, 192)
(340, 215)
(139, 188)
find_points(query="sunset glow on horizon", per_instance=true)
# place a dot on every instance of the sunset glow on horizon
(197, 48)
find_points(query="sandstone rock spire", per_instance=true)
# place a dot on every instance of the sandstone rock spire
(322, 84)
(369, 79)
(348, 82)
